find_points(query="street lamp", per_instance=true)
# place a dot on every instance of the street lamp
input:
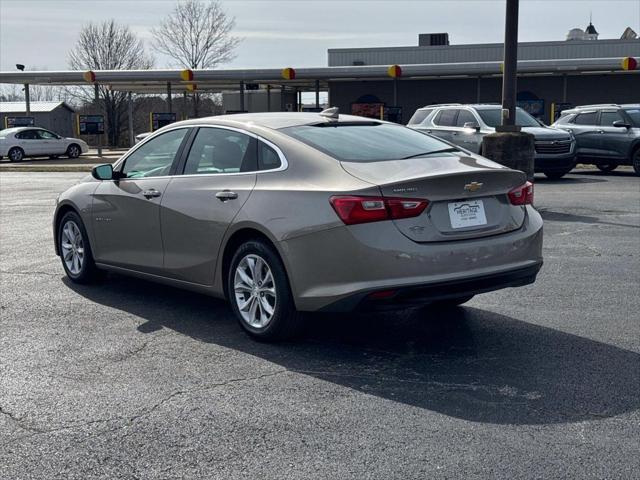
(27, 103)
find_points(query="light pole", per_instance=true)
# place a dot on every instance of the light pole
(27, 100)
(509, 78)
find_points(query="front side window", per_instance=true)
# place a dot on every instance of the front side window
(446, 118)
(155, 157)
(607, 118)
(634, 113)
(46, 135)
(588, 118)
(465, 116)
(366, 142)
(218, 150)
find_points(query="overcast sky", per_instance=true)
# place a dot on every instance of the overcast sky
(297, 33)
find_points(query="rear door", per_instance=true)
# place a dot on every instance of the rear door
(30, 142)
(126, 212)
(444, 123)
(218, 176)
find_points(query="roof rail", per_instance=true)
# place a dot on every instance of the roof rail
(442, 105)
(595, 105)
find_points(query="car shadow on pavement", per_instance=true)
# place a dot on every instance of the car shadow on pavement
(551, 216)
(468, 363)
(567, 180)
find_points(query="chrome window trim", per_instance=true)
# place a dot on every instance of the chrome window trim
(284, 164)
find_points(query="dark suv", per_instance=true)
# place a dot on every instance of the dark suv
(466, 125)
(606, 135)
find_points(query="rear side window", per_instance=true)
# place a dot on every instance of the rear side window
(366, 142)
(587, 118)
(268, 158)
(634, 113)
(420, 116)
(218, 150)
(607, 118)
(27, 135)
(446, 118)
(465, 116)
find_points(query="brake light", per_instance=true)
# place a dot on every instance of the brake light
(353, 209)
(522, 195)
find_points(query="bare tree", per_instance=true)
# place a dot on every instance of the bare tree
(109, 46)
(197, 34)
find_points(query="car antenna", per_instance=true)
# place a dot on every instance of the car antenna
(331, 113)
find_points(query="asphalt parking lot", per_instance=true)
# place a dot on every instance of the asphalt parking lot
(130, 379)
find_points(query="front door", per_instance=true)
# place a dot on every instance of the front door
(614, 141)
(198, 206)
(126, 212)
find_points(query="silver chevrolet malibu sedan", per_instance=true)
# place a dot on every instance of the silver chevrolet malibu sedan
(283, 213)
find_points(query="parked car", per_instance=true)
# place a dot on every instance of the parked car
(283, 213)
(466, 126)
(607, 135)
(20, 142)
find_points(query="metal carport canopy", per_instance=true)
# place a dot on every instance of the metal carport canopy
(303, 78)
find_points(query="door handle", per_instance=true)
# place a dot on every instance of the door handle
(600, 131)
(428, 131)
(225, 195)
(151, 193)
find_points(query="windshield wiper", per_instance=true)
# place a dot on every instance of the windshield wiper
(443, 150)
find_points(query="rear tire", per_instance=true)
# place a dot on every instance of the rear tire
(609, 167)
(75, 250)
(73, 151)
(15, 154)
(452, 302)
(260, 295)
(555, 175)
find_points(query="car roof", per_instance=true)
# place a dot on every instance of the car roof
(274, 120)
(479, 106)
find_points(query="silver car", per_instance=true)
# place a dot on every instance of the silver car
(283, 213)
(466, 126)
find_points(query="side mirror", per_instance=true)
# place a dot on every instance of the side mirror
(102, 172)
(621, 123)
(472, 126)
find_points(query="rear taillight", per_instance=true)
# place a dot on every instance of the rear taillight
(522, 195)
(353, 210)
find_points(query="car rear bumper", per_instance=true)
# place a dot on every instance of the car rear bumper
(427, 293)
(337, 268)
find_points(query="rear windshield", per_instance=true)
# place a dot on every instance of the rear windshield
(634, 113)
(493, 117)
(419, 116)
(371, 142)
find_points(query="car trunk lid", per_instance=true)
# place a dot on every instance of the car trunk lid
(467, 194)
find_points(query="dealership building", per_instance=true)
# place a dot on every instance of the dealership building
(551, 75)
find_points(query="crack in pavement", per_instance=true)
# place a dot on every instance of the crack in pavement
(128, 420)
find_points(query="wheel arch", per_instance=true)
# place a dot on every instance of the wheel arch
(236, 238)
(61, 211)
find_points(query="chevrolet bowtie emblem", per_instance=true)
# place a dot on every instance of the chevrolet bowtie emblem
(473, 186)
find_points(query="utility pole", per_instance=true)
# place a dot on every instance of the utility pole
(509, 78)
(510, 146)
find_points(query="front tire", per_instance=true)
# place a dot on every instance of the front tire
(16, 154)
(75, 250)
(73, 151)
(259, 292)
(635, 160)
(609, 167)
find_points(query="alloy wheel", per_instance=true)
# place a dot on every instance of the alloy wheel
(72, 246)
(255, 291)
(15, 155)
(74, 151)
